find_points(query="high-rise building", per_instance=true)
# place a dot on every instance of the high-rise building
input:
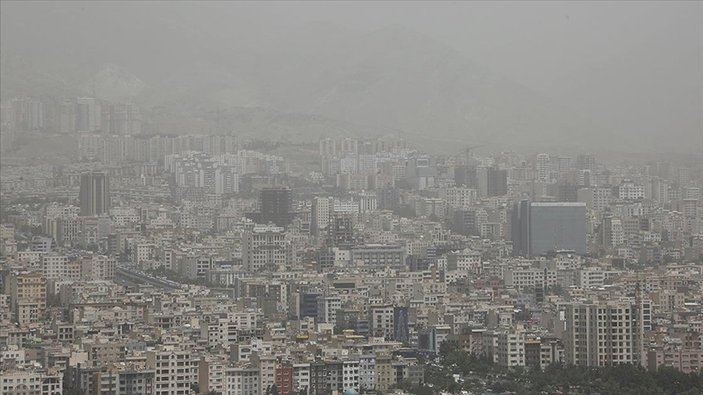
(327, 307)
(27, 292)
(7, 137)
(27, 114)
(275, 206)
(120, 118)
(328, 148)
(367, 202)
(596, 198)
(349, 146)
(628, 190)
(465, 176)
(542, 168)
(321, 209)
(492, 181)
(388, 198)
(421, 172)
(586, 162)
(381, 321)
(564, 192)
(341, 230)
(308, 303)
(604, 334)
(264, 248)
(88, 114)
(510, 350)
(176, 369)
(95, 194)
(689, 209)
(542, 227)
(464, 222)
(400, 324)
(66, 116)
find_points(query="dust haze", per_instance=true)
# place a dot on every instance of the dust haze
(622, 76)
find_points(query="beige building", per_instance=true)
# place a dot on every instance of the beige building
(104, 351)
(385, 374)
(98, 267)
(27, 292)
(176, 369)
(685, 360)
(264, 248)
(59, 267)
(36, 382)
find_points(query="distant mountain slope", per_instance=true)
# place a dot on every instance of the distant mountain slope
(398, 79)
(392, 79)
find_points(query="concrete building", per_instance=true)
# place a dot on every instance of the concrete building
(321, 211)
(95, 194)
(686, 360)
(242, 381)
(27, 292)
(510, 349)
(604, 334)
(275, 206)
(492, 181)
(381, 321)
(176, 369)
(264, 248)
(542, 168)
(379, 255)
(327, 307)
(31, 382)
(542, 227)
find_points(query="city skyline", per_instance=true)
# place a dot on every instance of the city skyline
(351, 198)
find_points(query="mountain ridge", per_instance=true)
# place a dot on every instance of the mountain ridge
(389, 79)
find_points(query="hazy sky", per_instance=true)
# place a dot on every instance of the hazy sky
(629, 61)
(635, 66)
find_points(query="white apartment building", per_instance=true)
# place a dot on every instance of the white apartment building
(267, 369)
(176, 369)
(211, 372)
(350, 373)
(367, 371)
(98, 267)
(458, 197)
(542, 168)
(593, 277)
(320, 213)
(596, 198)
(467, 261)
(628, 190)
(327, 309)
(602, 334)
(301, 377)
(510, 348)
(224, 332)
(367, 202)
(381, 321)
(264, 248)
(529, 277)
(142, 252)
(59, 267)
